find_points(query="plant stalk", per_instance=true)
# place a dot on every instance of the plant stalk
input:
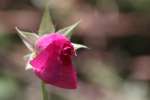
(44, 91)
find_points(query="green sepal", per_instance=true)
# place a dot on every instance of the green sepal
(46, 25)
(28, 58)
(28, 39)
(69, 30)
(78, 46)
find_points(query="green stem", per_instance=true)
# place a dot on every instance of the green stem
(44, 91)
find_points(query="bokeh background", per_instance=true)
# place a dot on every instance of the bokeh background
(116, 67)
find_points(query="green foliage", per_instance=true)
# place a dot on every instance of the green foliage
(5, 41)
(8, 89)
(125, 6)
(69, 30)
(78, 46)
(46, 25)
(28, 38)
(141, 5)
(28, 58)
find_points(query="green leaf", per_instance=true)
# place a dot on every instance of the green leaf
(46, 25)
(69, 30)
(28, 38)
(78, 46)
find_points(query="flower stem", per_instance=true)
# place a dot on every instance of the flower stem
(44, 91)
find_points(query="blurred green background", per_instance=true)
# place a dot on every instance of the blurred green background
(117, 65)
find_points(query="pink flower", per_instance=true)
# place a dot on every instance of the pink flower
(53, 62)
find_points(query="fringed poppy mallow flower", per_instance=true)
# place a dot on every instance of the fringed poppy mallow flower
(53, 61)
(51, 53)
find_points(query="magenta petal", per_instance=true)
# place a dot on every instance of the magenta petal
(46, 39)
(53, 69)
